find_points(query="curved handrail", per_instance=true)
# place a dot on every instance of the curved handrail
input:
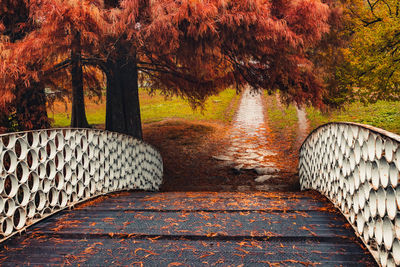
(357, 167)
(45, 171)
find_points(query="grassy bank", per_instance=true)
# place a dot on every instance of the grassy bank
(382, 114)
(155, 108)
(283, 123)
(280, 115)
(217, 108)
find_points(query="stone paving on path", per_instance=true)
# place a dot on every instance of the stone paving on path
(249, 146)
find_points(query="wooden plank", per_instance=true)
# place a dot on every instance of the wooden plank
(160, 229)
(279, 201)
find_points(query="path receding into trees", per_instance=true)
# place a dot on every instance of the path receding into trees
(251, 147)
(206, 228)
(247, 155)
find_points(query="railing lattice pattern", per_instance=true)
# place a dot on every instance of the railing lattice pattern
(42, 172)
(357, 167)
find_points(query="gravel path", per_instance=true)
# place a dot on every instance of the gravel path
(249, 146)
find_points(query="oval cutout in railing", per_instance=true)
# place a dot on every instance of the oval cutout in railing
(357, 167)
(45, 171)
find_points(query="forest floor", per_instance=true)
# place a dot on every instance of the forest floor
(190, 142)
(190, 150)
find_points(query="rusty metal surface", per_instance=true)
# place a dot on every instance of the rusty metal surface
(192, 229)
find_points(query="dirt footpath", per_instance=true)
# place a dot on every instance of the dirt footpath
(187, 148)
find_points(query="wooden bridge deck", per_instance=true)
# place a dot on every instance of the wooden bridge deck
(192, 229)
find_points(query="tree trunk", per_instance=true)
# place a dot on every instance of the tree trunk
(30, 107)
(4, 121)
(78, 117)
(122, 106)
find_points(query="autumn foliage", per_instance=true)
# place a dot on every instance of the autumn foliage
(190, 48)
(373, 59)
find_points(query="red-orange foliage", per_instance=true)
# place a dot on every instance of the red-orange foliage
(220, 43)
(197, 48)
(41, 57)
(23, 108)
(191, 48)
(328, 56)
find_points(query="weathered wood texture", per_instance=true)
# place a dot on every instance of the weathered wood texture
(158, 229)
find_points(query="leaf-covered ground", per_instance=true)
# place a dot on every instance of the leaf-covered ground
(187, 148)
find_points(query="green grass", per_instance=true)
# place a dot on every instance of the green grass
(60, 119)
(382, 114)
(156, 108)
(60, 113)
(217, 108)
(280, 116)
(282, 119)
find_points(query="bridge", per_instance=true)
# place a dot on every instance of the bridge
(75, 197)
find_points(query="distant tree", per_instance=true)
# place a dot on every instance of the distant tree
(329, 56)
(194, 49)
(373, 70)
(54, 49)
(188, 48)
(22, 105)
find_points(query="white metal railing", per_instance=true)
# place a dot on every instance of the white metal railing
(357, 167)
(45, 171)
